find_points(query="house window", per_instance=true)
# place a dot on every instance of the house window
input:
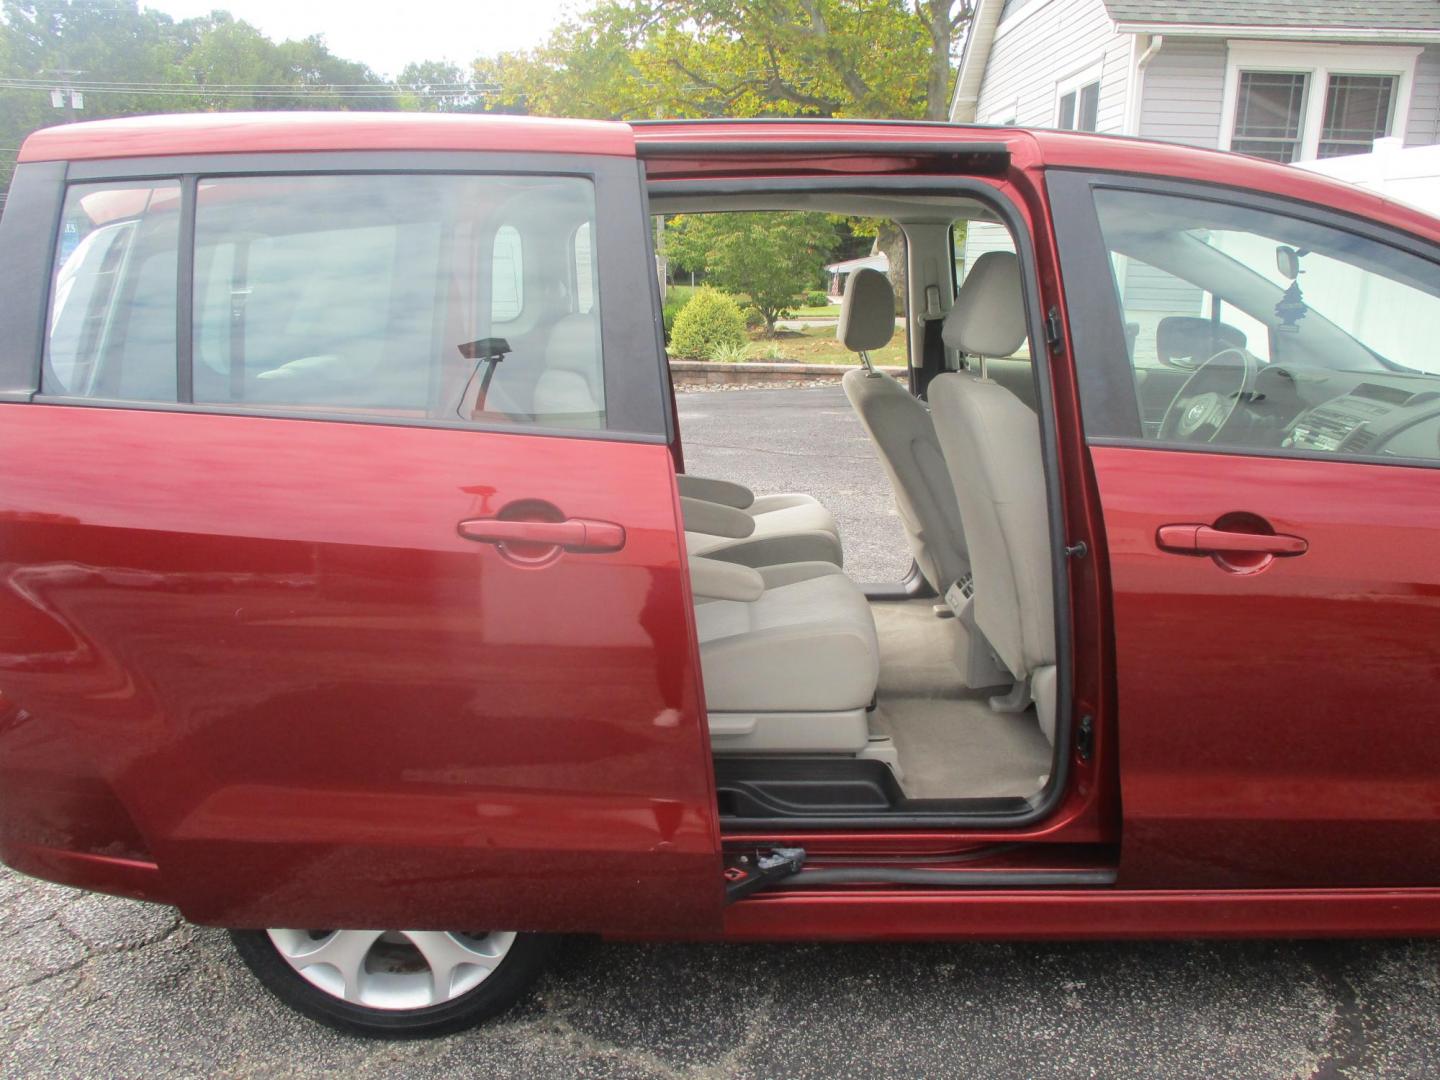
(1357, 112)
(1269, 113)
(1292, 103)
(1079, 108)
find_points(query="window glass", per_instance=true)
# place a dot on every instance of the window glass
(1269, 112)
(1357, 112)
(507, 270)
(1079, 109)
(113, 296)
(364, 293)
(1251, 329)
(584, 271)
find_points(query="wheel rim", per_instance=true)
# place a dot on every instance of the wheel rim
(393, 969)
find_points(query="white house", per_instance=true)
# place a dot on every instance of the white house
(1288, 80)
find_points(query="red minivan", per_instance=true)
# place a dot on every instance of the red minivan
(350, 575)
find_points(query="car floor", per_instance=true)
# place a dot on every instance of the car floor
(951, 743)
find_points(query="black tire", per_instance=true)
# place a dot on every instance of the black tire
(503, 988)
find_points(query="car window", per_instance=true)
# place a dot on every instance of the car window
(1251, 329)
(422, 296)
(113, 294)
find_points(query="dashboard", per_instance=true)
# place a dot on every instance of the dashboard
(1328, 411)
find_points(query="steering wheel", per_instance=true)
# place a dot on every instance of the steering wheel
(1209, 397)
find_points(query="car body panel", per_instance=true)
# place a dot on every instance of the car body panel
(321, 705)
(1278, 726)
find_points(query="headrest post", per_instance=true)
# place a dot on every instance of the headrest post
(984, 369)
(870, 371)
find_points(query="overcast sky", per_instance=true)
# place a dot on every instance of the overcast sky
(411, 30)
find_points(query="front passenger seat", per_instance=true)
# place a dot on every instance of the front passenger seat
(991, 442)
(903, 432)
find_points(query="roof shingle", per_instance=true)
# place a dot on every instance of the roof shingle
(1326, 14)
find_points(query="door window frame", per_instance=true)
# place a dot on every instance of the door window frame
(634, 364)
(1103, 370)
(986, 813)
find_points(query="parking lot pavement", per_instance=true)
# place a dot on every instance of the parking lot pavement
(95, 986)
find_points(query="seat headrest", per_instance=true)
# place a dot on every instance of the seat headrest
(988, 316)
(867, 314)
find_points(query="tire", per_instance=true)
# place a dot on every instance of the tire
(383, 984)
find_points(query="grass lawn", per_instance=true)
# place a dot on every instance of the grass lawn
(817, 345)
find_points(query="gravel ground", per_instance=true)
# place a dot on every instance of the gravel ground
(94, 986)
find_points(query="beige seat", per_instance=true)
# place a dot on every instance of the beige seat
(789, 658)
(900, 426)
(991, 443)
(722, 520)
(728, 521)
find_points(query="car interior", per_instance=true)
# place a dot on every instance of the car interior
(939, 697)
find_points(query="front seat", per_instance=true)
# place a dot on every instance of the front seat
(991, 443)
(903, 432)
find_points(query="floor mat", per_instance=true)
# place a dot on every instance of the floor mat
(951, 743)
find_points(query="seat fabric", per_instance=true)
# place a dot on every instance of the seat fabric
(805, 644)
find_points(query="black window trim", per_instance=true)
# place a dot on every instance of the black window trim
(635, 370)
(1107, 394)
(1040, 805)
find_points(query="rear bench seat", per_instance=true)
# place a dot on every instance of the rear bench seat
(729, 522)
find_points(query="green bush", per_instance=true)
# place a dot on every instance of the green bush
(754, 318)
(671, 309)
(816, 298)
(709, 321)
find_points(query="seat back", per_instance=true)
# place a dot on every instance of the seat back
(991, 444)
(900, 427)
(571, 389)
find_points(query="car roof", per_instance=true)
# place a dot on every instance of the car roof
(667, 144)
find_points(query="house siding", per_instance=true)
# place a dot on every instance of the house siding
(1057, 40)
(1181, 92)
(1423, 125)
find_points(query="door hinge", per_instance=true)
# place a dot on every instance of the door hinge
(1085, 737)
(749, 873)
(1052, 329)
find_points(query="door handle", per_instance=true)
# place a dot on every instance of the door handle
(578, 535)
(1207, 540)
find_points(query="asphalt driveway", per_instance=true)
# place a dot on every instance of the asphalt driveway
(94, 986)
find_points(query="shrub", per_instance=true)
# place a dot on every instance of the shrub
(754, 318)
(671, 309)
(816, 298)
(709, 321)
(730, 353)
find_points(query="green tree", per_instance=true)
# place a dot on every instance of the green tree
(774, 258)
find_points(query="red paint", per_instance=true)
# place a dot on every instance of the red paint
(276, 132)
(321, 705)
(1276, 728)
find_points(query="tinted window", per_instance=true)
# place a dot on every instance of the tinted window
(1249, 329)
(370, 293)
(113, 296)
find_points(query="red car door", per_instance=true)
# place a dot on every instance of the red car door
(1272, 530)
(371, 610)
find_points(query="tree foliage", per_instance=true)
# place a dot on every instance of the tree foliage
(693, 58)
(774, 258)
